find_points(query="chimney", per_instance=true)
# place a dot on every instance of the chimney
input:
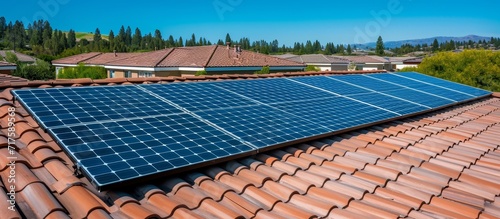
(114, 51)
(228, 44)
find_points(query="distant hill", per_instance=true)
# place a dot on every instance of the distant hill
(441, 39)
(86, 35)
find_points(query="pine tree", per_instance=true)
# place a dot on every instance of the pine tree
(111, 38)
(435, 45)
(228, 38)
(379, 49)
(71, 38)
(137, 39)
(349, 49)
(128, 36)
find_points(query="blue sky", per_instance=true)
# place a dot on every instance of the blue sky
(287, 21)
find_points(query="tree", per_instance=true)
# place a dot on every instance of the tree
(349, 49)
(3, 25)
(128, 36)
(228, 38)
(379, 49)
(71, 38)
(137, 39)
(111, 38)
(158, 40)
(435, 45)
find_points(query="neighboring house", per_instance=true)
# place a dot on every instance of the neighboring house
(180, 61)
(7, 67)
(369, 62)
(23, 58)
(414, 62)
(323, 62)
(398, 63)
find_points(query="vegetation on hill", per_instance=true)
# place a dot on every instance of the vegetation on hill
(477, 68)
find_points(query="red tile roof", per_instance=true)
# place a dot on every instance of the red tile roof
(223, 57)
(364, 59)
(76, 59)
(198, 56)
(20, 56)
(441, 164)
(2, 63)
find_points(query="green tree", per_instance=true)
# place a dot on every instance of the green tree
(349, 49)
(71, 38)
(379, 48)
(478, 68)
(435, 45)
(128, 36)
(3, 26)
(137, 39)
(228, 38)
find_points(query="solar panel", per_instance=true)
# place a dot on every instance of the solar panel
(111, 152)
(448, 84)
(118, 134)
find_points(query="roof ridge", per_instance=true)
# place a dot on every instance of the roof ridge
(165, 56)
(211, 56)
(98, 54)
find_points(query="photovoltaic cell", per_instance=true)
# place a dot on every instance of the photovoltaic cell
(69, 106)
(262, 125)
(424, 87)
(273, 90)
(117, 134)
(115, 151)
(448, 84)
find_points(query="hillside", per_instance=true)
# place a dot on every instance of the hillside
(86, 35)
(441, 39)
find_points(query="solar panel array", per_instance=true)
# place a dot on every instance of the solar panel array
(117, 134)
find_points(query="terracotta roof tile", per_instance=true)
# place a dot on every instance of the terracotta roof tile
(441, 163)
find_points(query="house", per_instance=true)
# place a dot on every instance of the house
(323, 62)
(440, 164)
(414, 62)
(178, 61)
(369, 62)
(398, 63)
(7, 68)
(23, 58)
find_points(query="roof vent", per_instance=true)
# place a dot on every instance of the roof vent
(114, 51)
(228, 44)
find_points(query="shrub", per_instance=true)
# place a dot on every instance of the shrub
(311, 68)
(264, 70)
(201, 72)
(478, 68)
(82, 71)
(40, 70)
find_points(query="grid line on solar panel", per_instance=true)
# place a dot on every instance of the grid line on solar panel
(66, 107)
(476, 92)
(263, 125)
(116, 151)
(409, 88)
(197, 96)
(347, 97)
(425, 87)
(272, 90)
(337, 87)
(374, 91)
(336, 113)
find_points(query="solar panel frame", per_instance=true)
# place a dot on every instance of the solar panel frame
(241, 112)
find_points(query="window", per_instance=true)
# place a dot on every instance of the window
(128, 74)
(111, 73)
(145, 74)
